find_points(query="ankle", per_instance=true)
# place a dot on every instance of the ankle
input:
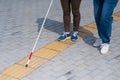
(66, 32)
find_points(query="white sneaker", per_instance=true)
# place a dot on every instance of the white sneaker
(104, 48)
(97, 43)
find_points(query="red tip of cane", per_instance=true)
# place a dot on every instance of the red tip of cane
(30, 55)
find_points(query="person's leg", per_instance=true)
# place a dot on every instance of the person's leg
(76, 13)
(66, 18)
(98, 5)
(75, 4)
(66, 14)
(106, 20)
(106, 24)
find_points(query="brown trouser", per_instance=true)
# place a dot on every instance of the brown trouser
(67, 6)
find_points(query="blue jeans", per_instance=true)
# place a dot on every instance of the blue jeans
(103, 10)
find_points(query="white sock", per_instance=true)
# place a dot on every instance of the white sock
(75, 31)
(67, 32)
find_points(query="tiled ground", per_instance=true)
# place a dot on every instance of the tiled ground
(20, 22)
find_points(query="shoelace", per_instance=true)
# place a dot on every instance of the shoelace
(64, 34)
(75, 34)
(104, 45)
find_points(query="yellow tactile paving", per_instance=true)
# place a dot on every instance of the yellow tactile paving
(35, 62)
(57, 46)
(85, 31)
(116, 16)
(45, 53)
(4, 77)
(68, 41)
(92, 25)
(90, 29)
(17, 71)
(83, 34)
(82, 30)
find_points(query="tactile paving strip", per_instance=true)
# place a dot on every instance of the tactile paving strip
(57, 46)
(4, 77)
(17, 71)
(45, 53)
(116, 16)
(34, 63)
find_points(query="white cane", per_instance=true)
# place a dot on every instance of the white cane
(30, 55)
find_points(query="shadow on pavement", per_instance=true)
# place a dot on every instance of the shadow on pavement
(87, 36)
(58, 27)
(51, 25)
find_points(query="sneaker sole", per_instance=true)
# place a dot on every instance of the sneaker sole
(64, 39)
(96, 46)
(74, 40)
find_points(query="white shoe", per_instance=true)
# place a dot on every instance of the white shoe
(97, 43)
(104, 48)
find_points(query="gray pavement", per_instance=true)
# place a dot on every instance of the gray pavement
(20, 21)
